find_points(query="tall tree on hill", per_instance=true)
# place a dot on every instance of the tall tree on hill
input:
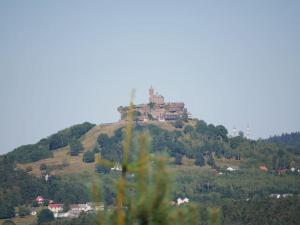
(178, 159)
(75, 147)
(199, 161)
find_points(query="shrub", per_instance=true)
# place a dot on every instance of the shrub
(75, 147)
(45, 216)
(43, 166)
(89, 157)
(23, 211)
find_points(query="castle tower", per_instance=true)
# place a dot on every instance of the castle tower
(151, 94)
(248, 132)
(234, 132)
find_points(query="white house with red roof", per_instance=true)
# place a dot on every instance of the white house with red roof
(56, 208)
(40, 200)
(81, 207)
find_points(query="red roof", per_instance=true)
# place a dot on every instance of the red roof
(39, 199)
(55, 205)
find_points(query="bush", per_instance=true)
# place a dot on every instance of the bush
(7, 210)
(89, 157)
(178, 159)
(23, 211)
(199, 161)
(43, 166)
(188, 129)
(102, 169)
(178, 124)
(75, 147)
(61, 138)
(45, 216)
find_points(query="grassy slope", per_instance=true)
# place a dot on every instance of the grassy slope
(28, 220)
(88, 141)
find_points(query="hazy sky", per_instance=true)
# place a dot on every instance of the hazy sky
(235, 63)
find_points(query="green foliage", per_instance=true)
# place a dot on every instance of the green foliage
(178, 159)
(62, 138)
(262, 211)
(178, 124)
(7, 209)
(40, 150)
(45, 216)
(148, 203)
(75, 147)
(199, 161)
(292, 140)
(83, 219)
(102, 169)
(89, 157)
(67, 190)
(111, 148)
(30, 153)
(23, 211)
(188, 129)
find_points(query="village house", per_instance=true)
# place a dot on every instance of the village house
(56, 208)
(181, 201)
(81, 207)
(231, 169)
(39, 200)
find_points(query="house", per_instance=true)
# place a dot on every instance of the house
(81, 207)
(117, 167)
(182, 201)
(61, 215)
(263, 168)
(275, 196)
(40, 200)
(231, 169)
(56, 208)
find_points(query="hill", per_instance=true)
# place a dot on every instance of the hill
(199, 157)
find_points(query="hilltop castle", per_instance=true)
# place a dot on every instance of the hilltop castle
(156, 109)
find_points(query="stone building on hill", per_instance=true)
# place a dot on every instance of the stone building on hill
(156, 109)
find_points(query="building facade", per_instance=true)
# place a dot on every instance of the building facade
(156, 109)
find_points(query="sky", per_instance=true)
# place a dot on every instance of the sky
(235, 63)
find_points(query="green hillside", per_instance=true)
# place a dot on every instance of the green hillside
(198, 157)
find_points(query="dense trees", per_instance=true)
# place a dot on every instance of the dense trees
(19, 188)
(111, 148)
(30, 153)
(188, 129)
(7, 209)
(42, 149)
(202, 144)
(199, 161)
(62, 138)
(262, 211)
(45, 216)
(292, 139)
(23, 211)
